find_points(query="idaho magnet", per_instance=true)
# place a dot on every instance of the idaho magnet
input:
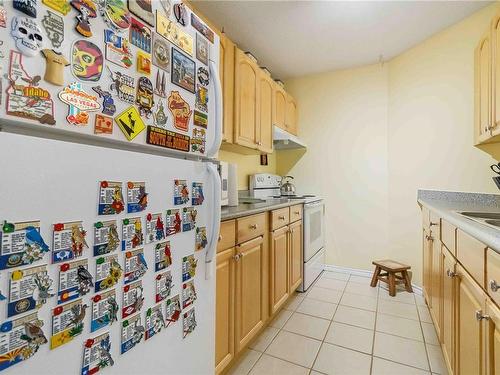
(181, 192)
(183, 71)
(143, 9)
(159, 116)
(144, 97)
(161, 52)
(173, 33)
(203, 76)
(21, 339)
(154, 321)
(137, 198)
(54, 28)
(200, 240)
(106, 239)
(29, 289)
(201, 103)
(202, 28)
(74, 281)
(163, 256)
(108, 104)
(108, 272)
(173, 222)
(188, 323)
(27, 7)
(173, 311)
(103, 124)
(61, 6)
(117, 15)
(135, 266)
(161, 83)
(117, 49)
(104, 310)
(55, 63)
(87, 61)
(144, 64)
(189, 264)
(110, 198)
(188, 294)
(132, 332)
(180, 13)
(87, 10)
(130, 123)
(133, 298)
(140, 35)
(164, 286)
(198, 141)
(24, 98)
(180, 110)
(68, 241)
(200, 119)
(202, 49)
(188, 218)
(21, 244)
(155, 228)
(67, 322)
(80, 103)
(97, 354)
(132, 233)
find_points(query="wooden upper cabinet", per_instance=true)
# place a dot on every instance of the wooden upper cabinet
(246, 83)
(279, 106)
(226, 70)
(482, 89)
(265, 119)
(291, 115)
(495, 76)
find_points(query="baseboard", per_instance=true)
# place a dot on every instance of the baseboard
(364, 273)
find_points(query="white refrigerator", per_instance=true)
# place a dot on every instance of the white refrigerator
(55, 159)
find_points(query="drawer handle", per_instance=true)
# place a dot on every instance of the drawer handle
(220, 237)
(450, 273)
(237, 257)
(281, 217)
(297, 212)
(432, 224)
(253, 226)
(480, 316)
(494, 286)
(429, 238)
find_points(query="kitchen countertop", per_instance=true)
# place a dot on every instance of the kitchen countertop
(446, 204)
(245, 209)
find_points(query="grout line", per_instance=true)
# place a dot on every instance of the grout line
(425, 346)
(374, 331)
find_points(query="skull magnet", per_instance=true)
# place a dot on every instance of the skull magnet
(27, 35)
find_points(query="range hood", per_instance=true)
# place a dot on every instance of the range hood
(283, 140)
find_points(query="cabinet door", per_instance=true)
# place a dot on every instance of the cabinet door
(265, 142)
(279, 106)
(296, 263)
(279, 268)
(427, 266)
(249, 317)
(492, 339)
(291, 115)
(224, 320)
(470, 331)
(436, 286)
(246, 100)
(482, 89)
(448, 307)
(226, 70)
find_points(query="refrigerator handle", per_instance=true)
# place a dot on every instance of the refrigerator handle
(214, 231)
(214, 73)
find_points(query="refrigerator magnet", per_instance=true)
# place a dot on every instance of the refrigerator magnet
(74, 281)
(103, 124)
(155, 228)
(3, 15)
(25, 98)
(55, 63)
(198, 141)
(144, 97)
(189, 264)
(104, 310)
(68, 241)
(164, 286)
(144, 65)
(80, 103)
(159, 116)
(61, 6)
(143, 9)
(135, 266)
(188, 323)
(67, 322)
(110, 198)
(21, 338)
(161, 52)
(87, 61)
(173, 222)
(201, 103)
(200, 119)
(188, 294)
(97, 354)
(132, 236)
(132, 333)
(181, 192)
(203, 76)
(163, 256)
(180, 13)
(87, 10)
(133, 298)
(200, 240)
(53, 25)
(160, 84)
(202, 28)
(188, 218)
(154, 321)
(183, 71)
(107, 273)
(117, 49)
(21, 244)
(116, 15)
(197, 194)
(130, 123)
(137, 197)
(108, 104)
(201, 50)
(140, 35)
(173, 310)
(106, 238)
(27, 7)
(27, 35)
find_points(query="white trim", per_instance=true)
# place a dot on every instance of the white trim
(364, 273)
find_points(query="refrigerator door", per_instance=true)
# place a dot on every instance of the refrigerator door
(56, 182)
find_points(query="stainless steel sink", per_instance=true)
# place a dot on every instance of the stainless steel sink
(495, 223)
(482, 215)
(254, 201)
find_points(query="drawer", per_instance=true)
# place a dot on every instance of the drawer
(250, 227)
(493, 275)
(280, 218)
(471, 253)
(295, 213)
(227, 235)
(448, 236)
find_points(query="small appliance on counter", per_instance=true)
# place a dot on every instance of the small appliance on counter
(229, 183)
(287, 188)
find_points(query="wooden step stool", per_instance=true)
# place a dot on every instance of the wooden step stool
(391, 268)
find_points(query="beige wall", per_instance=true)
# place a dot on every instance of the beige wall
(377, 134)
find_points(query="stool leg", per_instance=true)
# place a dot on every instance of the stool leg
(392, 284)
(408, 287)
(375, 276)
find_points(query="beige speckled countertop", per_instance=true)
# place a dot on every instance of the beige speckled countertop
(245, 209)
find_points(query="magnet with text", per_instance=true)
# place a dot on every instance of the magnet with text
(173, 33)
(110, 198)
(61, 6)
(143, 9)
(163, 256)
(202, 28)
(116, 15)
(74, 281)
(29, 289)
(161, 52)
(140, 35)
(164, 286)
(137, 197)
(135, 266)
(144, 64)
(189, 264)
(132, 236)
(173, 222)
(180, 110)
(108, 272)
(132, 333)
(21, 244)
(167, 139)
(3, 15)
(87, 61)
(133, 298)
(97, 354)
(167, 7)
(200, 119)
(87, 10)
(21, 339)
(80, 103)
(180, 13)
(67, 322)
(188, 294)
(108, 104)
(24, 97)
(183, 71)
(117, 49)
(188, 218)
(181, 192)
(197, 196)
(203, 76)
(202, 49)
(104, 310)
(130, 123)
(154, 321)
(144, 97)
(188, 323)
(27, 35)
(200, 239)
(55, 63)
(155, 228)
(27, 7)
(198, 141)
(159, 116)
(173, 311)
(68, 241)
(160, 85)
(201, 103)
(54, 28)
(106, 238)
(103, 124)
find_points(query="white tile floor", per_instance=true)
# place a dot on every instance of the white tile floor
(344, 326)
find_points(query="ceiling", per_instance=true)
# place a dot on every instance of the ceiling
(296, 38)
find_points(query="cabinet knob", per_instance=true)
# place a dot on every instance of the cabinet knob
(253, 226)
(297, 212)
(281, 217)
(259, 143)
(432, 224)
(480, 316)
(450, 273)
(237, 257)
(220, 237)
(429, 238)
(494, 286)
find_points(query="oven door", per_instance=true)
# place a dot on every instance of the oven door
(314, 228)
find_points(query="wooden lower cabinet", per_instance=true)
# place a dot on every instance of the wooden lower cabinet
(427, 265)
(279, 268)
(296, 255)
(448, 308)
(492, 339)
(436, 279)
